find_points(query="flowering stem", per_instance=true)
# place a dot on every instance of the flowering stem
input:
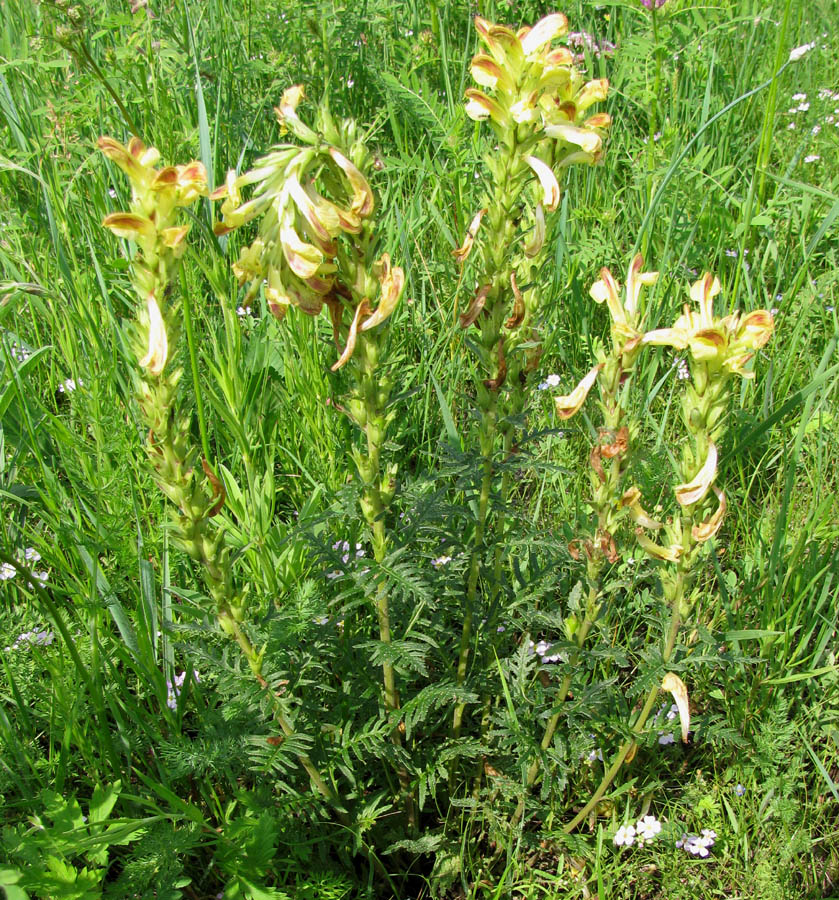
(629, 746)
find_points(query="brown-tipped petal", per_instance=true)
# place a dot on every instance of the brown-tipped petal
(614, 443)
(487, 73)
(518, 306)
(461, 253)
(598, 120)
(567, 406)
(755, 329)
(173, 237)
(543, 32)
(192, 183)
(677, 688)
(702, 293)
(321, 286)
(121, 155)
(706, 530)
(631, 500)
(695, 490)
(361, 311)
(707, 343)
(155, 359)
(561, 57)
(578, 156)
(475, 307)
(547, 179)
(129, 225)
(392, 282)
(164, 178)
(494, 384)
(537, 236)
(336, 316)
(588, 141)
(306, 207)
(480, 107)
(668, 554)
(362, 204)
(593, 92)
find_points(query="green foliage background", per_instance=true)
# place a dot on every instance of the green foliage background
(201, 803)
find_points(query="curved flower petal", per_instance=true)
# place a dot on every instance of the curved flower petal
(607, 291)
(755, 329)
(677, 688)
(129, 225)
(668, 554)
(362, 204)
(702, 293)
(475, 307)
(589, 141)
(631, 500)
(670, 337)
(392, 281)
(695, 490)
(158, 351)
(487, 73)
(567, 406)
(547, 179)
(518, 306)
(593, 92)
(537, 236)
(303, 259)
(543, 32)
(480, 107)
(461, 253)
(361, 310)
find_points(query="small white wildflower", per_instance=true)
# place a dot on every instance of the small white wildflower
(321, 620)
(665, 738)
(7, 571)
(350, 82)
(331, 576)
(803, 107)
(815, 129)
(797, 98)
(625, 836)
(739, 789)
(829, 120)
(673, 712)
(813, 157)
(441, 561)
(797, 52)
(647, 828)
(791, 126)
(31, 554)
(773, 312)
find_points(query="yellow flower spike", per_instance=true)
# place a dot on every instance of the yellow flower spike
(672, 553)
(462, 252)
(502, 42)
(155, 359)
(537, 238)
(693, 491)
(674, 685)
(362, 204)
(706, 530)
(568, 405)
(631, 500)
(361, 310)
(392, 281)
(480, 107)
(550, 186)
(543, 32)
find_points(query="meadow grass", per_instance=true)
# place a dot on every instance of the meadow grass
(116, 783)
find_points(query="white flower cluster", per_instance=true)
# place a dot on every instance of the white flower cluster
(68, 386)
(644, 831)
(542, 651)
(697, 844)
(31, 555)
(667, 737)
(551, 381)
(21, 354)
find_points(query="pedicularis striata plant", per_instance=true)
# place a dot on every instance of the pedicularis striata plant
(319, 245)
